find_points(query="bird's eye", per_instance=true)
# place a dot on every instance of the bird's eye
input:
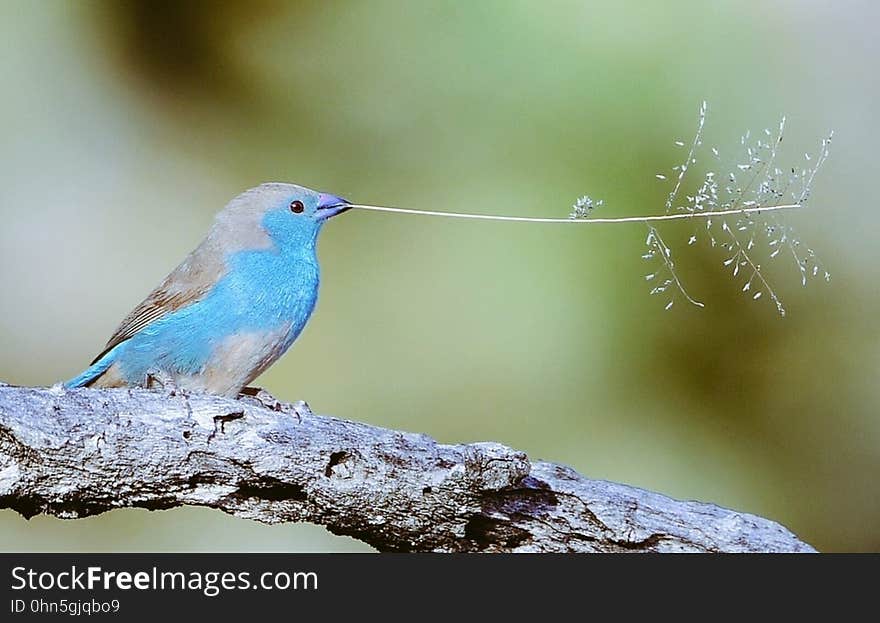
(297, 206)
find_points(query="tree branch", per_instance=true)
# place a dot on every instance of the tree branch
(74, 453)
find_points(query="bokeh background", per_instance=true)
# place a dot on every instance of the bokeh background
(127, 125)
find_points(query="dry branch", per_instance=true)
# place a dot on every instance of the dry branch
(74, 453)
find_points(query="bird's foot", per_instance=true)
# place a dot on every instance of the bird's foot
(267, 400)
(159, 380)
(302, 409)
(261, 397)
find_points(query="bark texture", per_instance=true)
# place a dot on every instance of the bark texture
(74, 453)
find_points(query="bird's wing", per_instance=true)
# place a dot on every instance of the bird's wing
(187, 284)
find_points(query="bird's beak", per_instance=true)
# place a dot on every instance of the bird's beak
(331, 205)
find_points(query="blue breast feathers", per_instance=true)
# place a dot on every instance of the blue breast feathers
(262, 292)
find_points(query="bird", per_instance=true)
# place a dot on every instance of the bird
(234, 305)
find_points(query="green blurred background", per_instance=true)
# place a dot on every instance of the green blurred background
(127, 125)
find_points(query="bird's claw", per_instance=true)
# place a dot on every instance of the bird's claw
(302, 409)
(265, 399)
(261, 397)
(163, 381)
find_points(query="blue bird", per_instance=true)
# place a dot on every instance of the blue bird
(233, 306)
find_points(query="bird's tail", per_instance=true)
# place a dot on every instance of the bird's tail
(91, 374)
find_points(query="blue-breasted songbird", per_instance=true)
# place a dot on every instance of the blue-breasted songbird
(233, 306)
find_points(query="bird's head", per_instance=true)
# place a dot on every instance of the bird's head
(278, 215)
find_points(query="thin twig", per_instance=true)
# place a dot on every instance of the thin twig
(690, 159)
(665, 253)
(620, 219)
